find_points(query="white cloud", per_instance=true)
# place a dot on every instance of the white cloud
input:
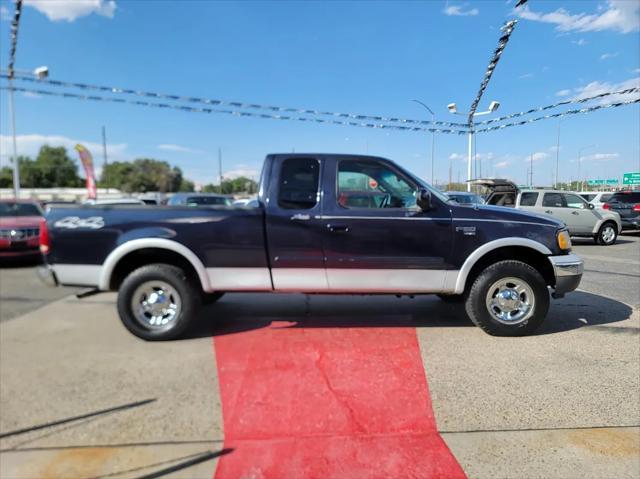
(606, 56)
(601, 157)
(501, 164)
(457, 156)
(457, 11)
(580, 42)
(526, 75)
(29, 94)
(564, 92)
(29, 145)
(70, 10)
(635, 70)
(241, 170)
(596, 88)
(177, 148)
(537, 156)
(620, 15)
(4, 13)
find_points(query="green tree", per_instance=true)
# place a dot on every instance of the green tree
(144, 174)
(6, 177)
(241, 184)
(52, 168)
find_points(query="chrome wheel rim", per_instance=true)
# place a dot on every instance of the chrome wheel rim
(510, 301)
(608, 234)
(156, 305)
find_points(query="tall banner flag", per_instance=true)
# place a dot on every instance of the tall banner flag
(87, 163)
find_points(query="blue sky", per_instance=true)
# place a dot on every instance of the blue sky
(359, 57)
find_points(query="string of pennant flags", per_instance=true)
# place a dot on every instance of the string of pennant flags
(558, 104)
(557, 115)
(192, 109)
(231, 104)
(507, 30)
(15, 23)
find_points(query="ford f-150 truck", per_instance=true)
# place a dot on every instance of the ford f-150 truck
(325, 224)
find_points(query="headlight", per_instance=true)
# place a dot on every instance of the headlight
(564, 240)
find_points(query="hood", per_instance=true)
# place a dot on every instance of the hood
(19, 221)
(505, 213)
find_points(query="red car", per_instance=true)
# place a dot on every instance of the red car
(19, 228)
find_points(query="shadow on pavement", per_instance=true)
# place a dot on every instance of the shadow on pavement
(236, 313)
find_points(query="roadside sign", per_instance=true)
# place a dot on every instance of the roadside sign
(602, 182)
(631, 178)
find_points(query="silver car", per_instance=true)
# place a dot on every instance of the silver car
(581, 217)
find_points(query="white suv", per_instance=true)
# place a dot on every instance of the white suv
(581, 217)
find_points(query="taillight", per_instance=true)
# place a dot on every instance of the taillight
(606, 206)
(636, 207)
(44, 237)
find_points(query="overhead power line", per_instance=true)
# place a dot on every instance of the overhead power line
(226, 103)
(192, 109)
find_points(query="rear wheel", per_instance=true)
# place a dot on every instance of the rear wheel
(509, 298)
(607, 234)
(158, 302)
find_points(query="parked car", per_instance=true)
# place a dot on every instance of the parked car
(581, 218)
(627, 205)
(199, 199)
(165, 262)
(19, 228)
(465, 198)
(597, 198)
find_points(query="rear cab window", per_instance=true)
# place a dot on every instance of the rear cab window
(298, 184)
(625, 197)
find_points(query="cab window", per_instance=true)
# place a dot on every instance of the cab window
(370, 184)
(528, 198)
(299, 180)
(553, 200)
(574, 201)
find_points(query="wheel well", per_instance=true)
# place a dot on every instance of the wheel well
(145, 256)
(611, 222)
(529, 256)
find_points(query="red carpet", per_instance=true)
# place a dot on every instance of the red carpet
(327, 403)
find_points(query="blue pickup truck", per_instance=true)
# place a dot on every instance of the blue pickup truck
(325, 224)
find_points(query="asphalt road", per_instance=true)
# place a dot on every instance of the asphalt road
(81, 397)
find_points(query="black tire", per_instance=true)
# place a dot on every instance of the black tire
(603, 233)
(478, 310)
(451, 298)
(188, 298)
(210, 298)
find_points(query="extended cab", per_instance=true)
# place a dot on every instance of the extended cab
(324, 224)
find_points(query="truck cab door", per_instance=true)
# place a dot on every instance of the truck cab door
(294, 232)
(376, 239)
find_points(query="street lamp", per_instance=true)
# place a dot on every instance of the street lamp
(493, 106)
(433, 134)
(580, 162)
(40, 73)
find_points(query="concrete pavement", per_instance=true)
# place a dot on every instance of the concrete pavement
(102, 403)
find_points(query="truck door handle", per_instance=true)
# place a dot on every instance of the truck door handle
(301, 217)
(549, 212)
(338, 228)
(575, 213)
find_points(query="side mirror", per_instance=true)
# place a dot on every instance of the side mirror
(591, 206)
(423, 199)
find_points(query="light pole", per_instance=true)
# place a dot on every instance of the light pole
(558, 153)
(580, 162)
(493, 106)
(433, 134)
(40, 73)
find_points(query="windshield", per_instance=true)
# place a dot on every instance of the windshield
(19, 209)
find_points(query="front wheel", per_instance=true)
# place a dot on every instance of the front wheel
(509, 298)
(607, 234)
(158, 302)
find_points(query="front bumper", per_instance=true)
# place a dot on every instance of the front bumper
(568, 271)
(47, 275)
